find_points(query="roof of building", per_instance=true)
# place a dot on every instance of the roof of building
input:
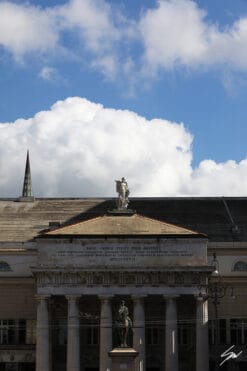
(221, 219)
(122, 224)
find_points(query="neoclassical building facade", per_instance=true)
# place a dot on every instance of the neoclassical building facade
(180, 265)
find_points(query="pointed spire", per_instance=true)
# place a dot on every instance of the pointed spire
(27, 193)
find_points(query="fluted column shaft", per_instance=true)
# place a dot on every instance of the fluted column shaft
(73, 339)
(202, 355)
(139, 331)
(105, 333)
(42, 336)
(171, 354)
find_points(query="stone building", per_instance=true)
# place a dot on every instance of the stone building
(180, 264)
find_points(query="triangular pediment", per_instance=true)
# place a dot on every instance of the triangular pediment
(112, 225)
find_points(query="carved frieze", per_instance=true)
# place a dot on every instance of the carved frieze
(170, 278)
(121, 278)
(196, 279)
(179, 279)
(17, 355)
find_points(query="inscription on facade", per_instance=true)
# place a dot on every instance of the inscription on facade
(125, 255)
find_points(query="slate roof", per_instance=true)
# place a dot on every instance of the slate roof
(221, 219)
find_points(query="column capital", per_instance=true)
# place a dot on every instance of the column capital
(73, 297)
(105, 297)
(201, 298)
(170, 297)
(138, 297)
(40, 297)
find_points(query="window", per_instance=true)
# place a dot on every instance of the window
(92, 335)
(238, 330)
(60, 335)
(17, 331)
(14, 366)
(185, 333)
(30, 331)
(11, 366)
(152, 335)
(222, 331)
(183, 336)
(217, 331)
(240, 266)
(7, 331)
(4, 267)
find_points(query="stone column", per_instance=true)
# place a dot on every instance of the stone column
(73, 338)
(42, 336)
(202, 363)
(139, 331)
(105, 333)
(171, 354)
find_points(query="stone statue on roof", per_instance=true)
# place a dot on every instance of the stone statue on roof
(123, 193)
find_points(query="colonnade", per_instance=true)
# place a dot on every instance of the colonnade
(73, 337)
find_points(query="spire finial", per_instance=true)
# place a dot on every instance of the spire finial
(27, 193)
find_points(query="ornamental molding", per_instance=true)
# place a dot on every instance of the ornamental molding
(120, 278)
(17, 355)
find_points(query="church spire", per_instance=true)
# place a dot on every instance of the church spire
(27, 193)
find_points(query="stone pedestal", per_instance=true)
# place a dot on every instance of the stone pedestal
(123, 359)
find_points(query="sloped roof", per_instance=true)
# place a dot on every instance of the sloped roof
(23, 221)
(122, 225)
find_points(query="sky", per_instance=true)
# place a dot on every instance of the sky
(155, 91)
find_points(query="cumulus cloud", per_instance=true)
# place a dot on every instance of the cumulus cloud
(178, 33)
(25, 29)
(80, 29)
(93, 23)
(93, 19)
(79, 147)
(172, 34)
(211, 178)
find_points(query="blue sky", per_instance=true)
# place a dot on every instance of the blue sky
(182, 61)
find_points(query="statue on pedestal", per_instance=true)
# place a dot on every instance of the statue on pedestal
(123, 193)
(124, 323)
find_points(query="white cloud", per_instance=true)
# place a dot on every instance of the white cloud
(25, 28)
(52, 75)
(177, 33)
(48, 73)
(93, 19)
(93, 22)
(228, 179)
(173, 33)
(79, 147)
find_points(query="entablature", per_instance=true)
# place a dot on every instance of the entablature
(121, 278)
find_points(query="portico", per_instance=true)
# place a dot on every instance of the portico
(107, 331)
(140, 259)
